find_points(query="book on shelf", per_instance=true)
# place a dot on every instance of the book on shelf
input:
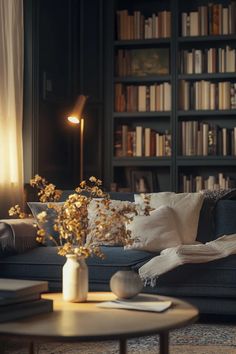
(142, 98)
(195, 183)
(206, 139)
(212, 19)
(207, 95)
(208, 60)
(141, 142)
(137, 26)
(17, 311)
(13, 288)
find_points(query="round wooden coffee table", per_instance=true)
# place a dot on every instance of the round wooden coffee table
(77, 322)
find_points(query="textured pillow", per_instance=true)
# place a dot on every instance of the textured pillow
(186, 206)
(36, 208)
(114, 234)
(154, 232)
(17, 236)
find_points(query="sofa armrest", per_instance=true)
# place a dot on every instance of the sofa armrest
(17, 236)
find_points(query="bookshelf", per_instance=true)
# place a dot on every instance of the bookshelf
(173, 117)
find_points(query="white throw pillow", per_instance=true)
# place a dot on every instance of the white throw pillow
(154, 232)
(187, 208)
(115, 232)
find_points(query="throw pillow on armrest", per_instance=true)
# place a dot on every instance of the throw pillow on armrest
(17, 236)
(154, 232)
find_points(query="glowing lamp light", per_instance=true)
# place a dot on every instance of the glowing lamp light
(73, 120)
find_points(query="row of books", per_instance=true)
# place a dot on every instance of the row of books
(140, 141)
(203, 94)
(22, 298)
(209, 60)
(211, 19)
(191, 183)
(203, 139)
(137, 26)
(142, 62)
(142, 98)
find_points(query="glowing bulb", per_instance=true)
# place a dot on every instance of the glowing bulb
(73, 119)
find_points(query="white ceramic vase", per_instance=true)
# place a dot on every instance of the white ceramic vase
(75, 279)
(125, 284)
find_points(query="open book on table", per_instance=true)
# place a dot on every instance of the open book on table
(138, 303)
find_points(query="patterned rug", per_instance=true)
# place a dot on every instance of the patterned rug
(195, 339)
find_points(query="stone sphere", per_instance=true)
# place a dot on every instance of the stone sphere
(126, 284)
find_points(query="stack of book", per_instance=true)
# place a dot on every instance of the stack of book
(207, 95)
(138, 26)
(141, 141)
(211, 19)
(22, 298)
(143, 98)
(205, 139)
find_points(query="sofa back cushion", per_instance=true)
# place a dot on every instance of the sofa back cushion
(225, 218)
(205, 231)
(114, 195)
(48, 225)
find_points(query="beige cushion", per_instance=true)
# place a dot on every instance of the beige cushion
(187, 208)
(113, 234)
(156, 231)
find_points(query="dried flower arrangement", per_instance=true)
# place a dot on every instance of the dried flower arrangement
(72, 219)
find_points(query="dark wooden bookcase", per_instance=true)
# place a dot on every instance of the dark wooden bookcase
(167, 171)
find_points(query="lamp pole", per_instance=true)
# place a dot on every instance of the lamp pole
(76, 118)
(81, 149)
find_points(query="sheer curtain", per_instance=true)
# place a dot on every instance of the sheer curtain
(11, 104)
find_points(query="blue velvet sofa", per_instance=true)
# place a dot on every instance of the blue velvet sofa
(210, 286)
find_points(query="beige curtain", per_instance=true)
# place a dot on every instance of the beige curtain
(11, 103)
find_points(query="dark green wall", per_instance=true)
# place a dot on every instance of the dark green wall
(63, 58)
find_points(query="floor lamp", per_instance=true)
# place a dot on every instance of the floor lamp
(75, 118)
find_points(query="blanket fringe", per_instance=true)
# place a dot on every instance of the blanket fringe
(152, 282)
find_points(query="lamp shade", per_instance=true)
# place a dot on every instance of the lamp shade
(77, 112)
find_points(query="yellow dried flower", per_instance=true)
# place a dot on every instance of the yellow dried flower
(72, 219)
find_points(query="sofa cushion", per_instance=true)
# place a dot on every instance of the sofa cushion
(186, 206)
(154, 232)
(115, 228)
(44, 263)
(212, 279)
(225, 217)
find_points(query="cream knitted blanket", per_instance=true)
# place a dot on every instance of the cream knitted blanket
(198, 253)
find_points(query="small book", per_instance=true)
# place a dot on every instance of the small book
(151, 306)
(21, 310)
(13, 288)
(14, 300)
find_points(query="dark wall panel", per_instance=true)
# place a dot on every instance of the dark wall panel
(90, 77)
